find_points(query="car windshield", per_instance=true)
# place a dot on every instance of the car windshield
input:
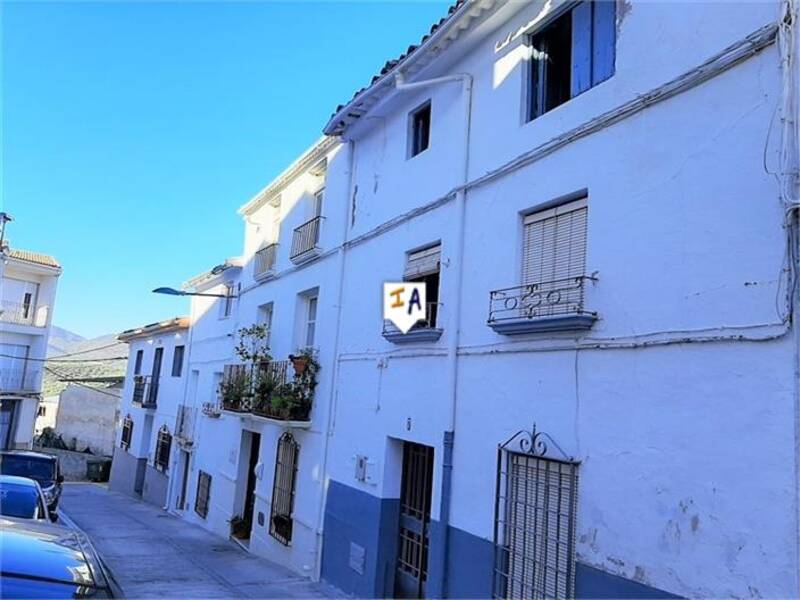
(20, 501)
(42, 470)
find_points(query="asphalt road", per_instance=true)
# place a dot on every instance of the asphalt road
(156, 555)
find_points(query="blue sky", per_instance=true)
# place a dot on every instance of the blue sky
(131, 132)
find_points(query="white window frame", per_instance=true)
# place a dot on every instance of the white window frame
(227, 304)
(310, 324)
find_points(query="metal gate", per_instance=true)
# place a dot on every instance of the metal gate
(415, 515)
(535, 513)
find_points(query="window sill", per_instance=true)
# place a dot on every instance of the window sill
(544, 324)
(266, 275)
(306, 255)
(427, 334)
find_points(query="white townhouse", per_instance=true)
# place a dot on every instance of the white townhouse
(603, 398)
(255, 469)
(28, 283)
(152, 420)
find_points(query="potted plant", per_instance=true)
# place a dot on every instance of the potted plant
(299, 362)
(240, 527)
(234, 389)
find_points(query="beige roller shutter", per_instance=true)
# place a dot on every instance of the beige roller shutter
(423, 262)
(554, 243)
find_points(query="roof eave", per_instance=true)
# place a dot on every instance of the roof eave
(417, 59)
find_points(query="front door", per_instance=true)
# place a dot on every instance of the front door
(185, 457)
(415, 515)
(250, 496)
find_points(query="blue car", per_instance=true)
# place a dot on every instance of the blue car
(39, 559)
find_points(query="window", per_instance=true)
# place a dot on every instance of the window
(573, 53)
(163, 447)
(203, 495)
(228, 300)
(423, 266)
(536, 513)
(420, 130)
(280, 521)
(265, 319)
(554, 243)
(177, 361)
(127, 433)
(42, 411)
(311, 321)
(137, 367)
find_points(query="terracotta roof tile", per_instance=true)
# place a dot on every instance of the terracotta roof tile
(33, 257)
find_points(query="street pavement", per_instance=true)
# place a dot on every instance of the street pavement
(154, 554)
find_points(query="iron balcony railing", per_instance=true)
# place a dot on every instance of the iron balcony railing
(184, 424)
(265, 260)
(429, 322)
(145, 391)
(25, 379)
(557, 298)
(22, 313)
(272, 390)
(306, 237)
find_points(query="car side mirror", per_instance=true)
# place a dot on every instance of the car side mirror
(60, 478)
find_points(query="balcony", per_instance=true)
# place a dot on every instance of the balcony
(145, 391)
(276, 390)
(184, 425)
(541, 307)
(19, 381)
(23, 314)
(305, 241)
(424, 330)
(265, 262)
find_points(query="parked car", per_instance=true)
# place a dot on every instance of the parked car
(43, 560)
(22, 498)
(42, 468)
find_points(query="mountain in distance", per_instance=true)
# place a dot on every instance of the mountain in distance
(96, 352)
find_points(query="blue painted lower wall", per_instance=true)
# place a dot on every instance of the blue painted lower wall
(356, 517)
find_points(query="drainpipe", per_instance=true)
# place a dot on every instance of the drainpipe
(334, 385)
(439, 588)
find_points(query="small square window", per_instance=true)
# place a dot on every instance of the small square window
(420, 130)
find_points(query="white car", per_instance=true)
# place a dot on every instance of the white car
(22, 498)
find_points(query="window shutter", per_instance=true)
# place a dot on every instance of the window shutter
(423, 262)
(554, 243)
(603, 40)
(581, 48)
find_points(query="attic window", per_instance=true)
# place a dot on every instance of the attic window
(419, 130)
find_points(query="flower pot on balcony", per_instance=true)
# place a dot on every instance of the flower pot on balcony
(300, 364)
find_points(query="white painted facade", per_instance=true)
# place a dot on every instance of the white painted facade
(680, 403)
(28, 284)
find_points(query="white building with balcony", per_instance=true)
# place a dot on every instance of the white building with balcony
(28, 283)
(602, 400)
(150, 416)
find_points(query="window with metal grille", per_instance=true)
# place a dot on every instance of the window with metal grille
(280, 522)
(163, 447)
(572, 53)
(203, 495)
(127, 433)
(535, 527)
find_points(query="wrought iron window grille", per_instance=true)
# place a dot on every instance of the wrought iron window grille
(535, 518)
(283, 489)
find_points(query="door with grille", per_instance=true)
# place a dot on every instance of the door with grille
(415, 515)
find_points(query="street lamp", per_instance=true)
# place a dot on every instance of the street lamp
(173, 292)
